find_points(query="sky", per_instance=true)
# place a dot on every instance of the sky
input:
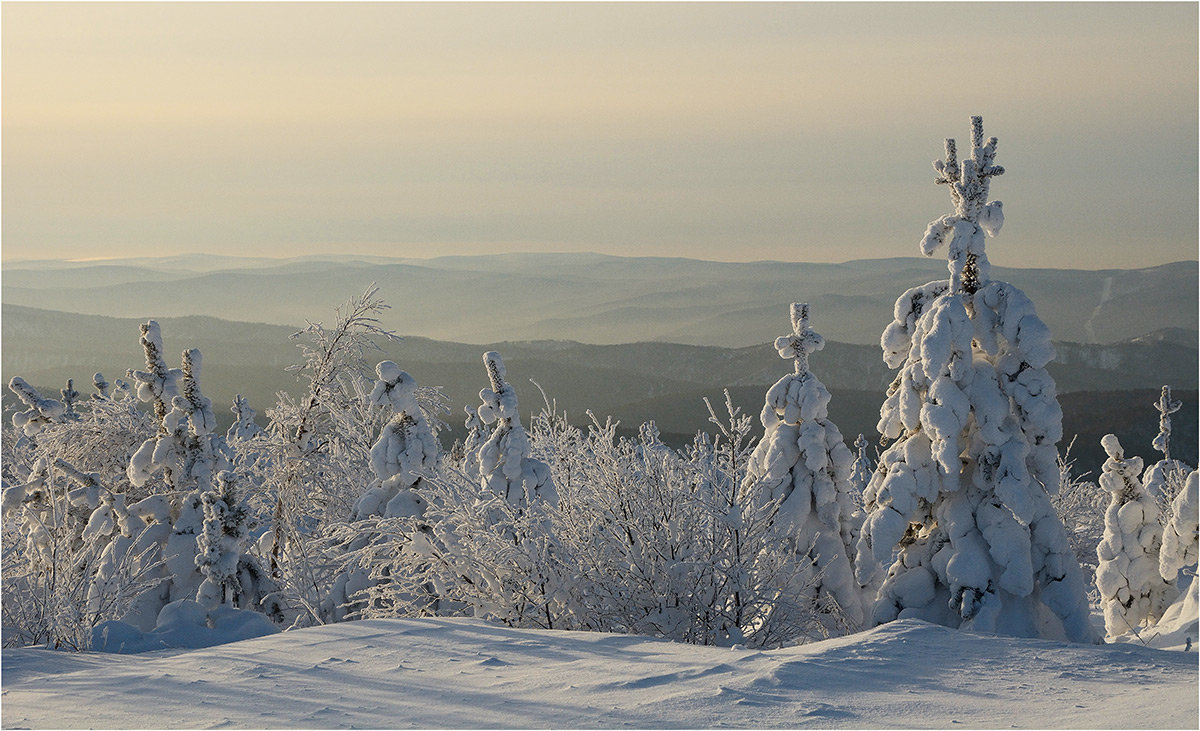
(784, 131)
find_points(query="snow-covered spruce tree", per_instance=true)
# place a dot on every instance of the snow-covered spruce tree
(101, 387)
(183, 451)
(231, 576)
(243, 428)
(405, 450)
(1181, 536)
(803, 467)
(1132, 594)
(861, 470)
(958, 510)
(505, 467)
(1165, 478)
(69, 397)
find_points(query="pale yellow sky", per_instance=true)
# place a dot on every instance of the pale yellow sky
(796, 131)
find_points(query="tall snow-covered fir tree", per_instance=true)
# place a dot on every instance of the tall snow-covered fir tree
(959, 516)
(1132, 594)
(803, 466)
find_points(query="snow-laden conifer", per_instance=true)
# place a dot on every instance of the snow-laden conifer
(42, 411)
(1165, 478)
(1166, 406)
(101, 387)
(803, 467)
(183, 449)
(958, 510)
(221, 542)
(243, 428)
(861, 470)
(1132, 593)
(69, 397)
(505, 466)
(405, 450)
(472, 442)
(1181, 536)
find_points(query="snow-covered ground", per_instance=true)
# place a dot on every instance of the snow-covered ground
(405, 673)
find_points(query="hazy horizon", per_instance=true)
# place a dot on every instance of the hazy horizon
(797, 132)
(320, 255)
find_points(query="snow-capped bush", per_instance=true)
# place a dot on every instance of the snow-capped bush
(41, 413)
(958, 511)
(64, 572)
(801, 469)
(1080, 504)
(1132, 593)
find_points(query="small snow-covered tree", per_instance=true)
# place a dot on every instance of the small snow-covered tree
(406, 449)
(101, 387)
(505, 466)
(69, 397)
(1181, 536)
(958, 511)
(802, 467)
(1165, 478)
(232, 575)
(243, 428)
(860, 471)
(1132, 593)
(472, 442)
(1166, 406)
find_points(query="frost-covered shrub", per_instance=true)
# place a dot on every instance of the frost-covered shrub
(959, 525)
(643, 539)
(801, 470)
(1132, 593)
(1080, 505)
(42, 411)
(72, 558)
(317, 461)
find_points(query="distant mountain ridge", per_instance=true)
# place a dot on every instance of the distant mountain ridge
(633, 382)
(592, 298)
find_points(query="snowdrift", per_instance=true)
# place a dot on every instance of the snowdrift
(459, 673)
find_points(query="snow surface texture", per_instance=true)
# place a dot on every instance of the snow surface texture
(460, 673)
(803, 465)
(1132, 593)
(958, 512)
